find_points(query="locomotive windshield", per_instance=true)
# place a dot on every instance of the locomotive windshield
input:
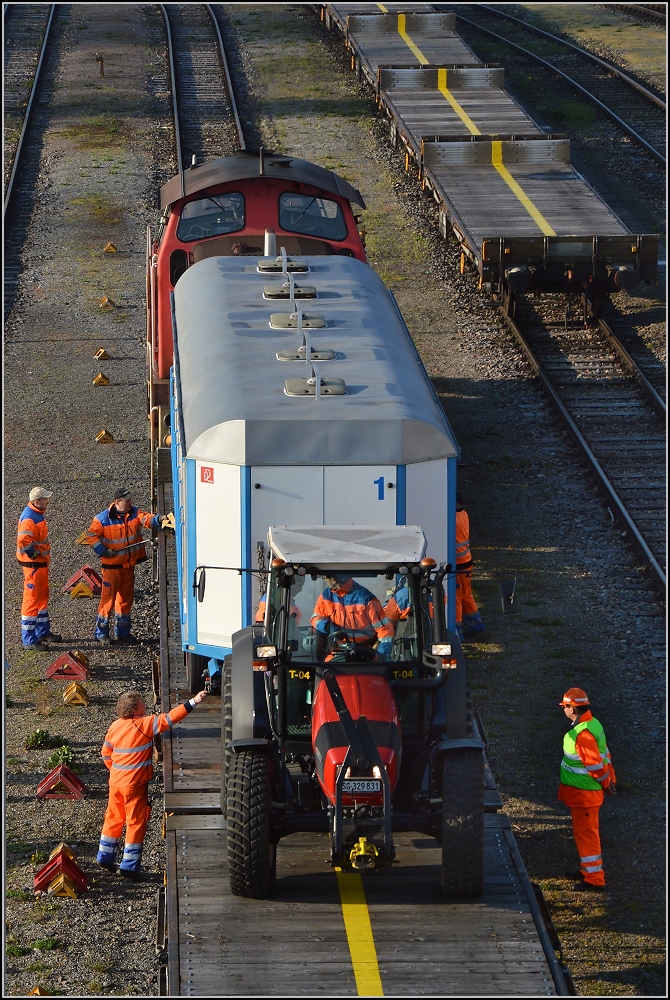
(222, 213)
(302, 213)
(348, 618)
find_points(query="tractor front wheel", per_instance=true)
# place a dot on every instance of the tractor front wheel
(463, 823)
(252, 853)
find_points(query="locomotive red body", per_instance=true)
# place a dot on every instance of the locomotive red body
(247, 204)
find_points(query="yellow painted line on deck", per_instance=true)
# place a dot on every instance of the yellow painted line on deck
(408, 41)
(382, 8)
(359, 934)
(535, 214)
(443, 89)
(496, 157)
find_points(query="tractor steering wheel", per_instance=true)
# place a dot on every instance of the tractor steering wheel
(342, 642)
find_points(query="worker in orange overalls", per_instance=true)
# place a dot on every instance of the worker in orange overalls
(586, 774)
(116, 536)
(128, 752)
(468, 619)
(33, 553)
(351, 614)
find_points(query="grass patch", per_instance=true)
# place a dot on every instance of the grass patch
(99, 132)
(16, 950)
(48, 944)
(22, 895)
(41, 739)
(100, 208)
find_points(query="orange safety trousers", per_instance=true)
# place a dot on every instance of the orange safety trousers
(34, 613)
(128, 806)
(118, 592)
(465, 602)
(584, 806)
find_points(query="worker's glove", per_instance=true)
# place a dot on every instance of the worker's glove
(104, 553)
(167, 522)
(611, 788)
(384, 648)
(31, 552)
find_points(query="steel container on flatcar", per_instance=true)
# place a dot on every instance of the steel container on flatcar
(256, 443)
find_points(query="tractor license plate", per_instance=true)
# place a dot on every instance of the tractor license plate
(361, 786)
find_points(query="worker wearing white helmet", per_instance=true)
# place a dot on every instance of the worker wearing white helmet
(33, 553)
(586, 773)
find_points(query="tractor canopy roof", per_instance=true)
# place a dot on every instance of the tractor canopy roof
(352, 548)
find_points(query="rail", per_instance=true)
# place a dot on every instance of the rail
(29, 107)
(628, 129)
(584, 53)
(595, 465)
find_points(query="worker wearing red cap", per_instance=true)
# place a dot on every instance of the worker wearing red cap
(586, 774)
(33, 553)
(116, 536)
(128, 754)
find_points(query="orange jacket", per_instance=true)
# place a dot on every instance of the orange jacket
(463, 554)
(351, 606)
(32, 543)
(129, 743)
(111, 531)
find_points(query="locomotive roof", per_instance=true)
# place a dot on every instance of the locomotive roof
(240, 166)
(232, 386)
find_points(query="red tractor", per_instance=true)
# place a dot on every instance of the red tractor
(347, 710)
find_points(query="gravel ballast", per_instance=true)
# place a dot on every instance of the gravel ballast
(587, 614)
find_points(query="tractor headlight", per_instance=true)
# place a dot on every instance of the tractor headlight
(261, 655)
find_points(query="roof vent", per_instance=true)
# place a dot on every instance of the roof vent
(305, 352)
(289, 290)
(315, 385)
(281, 263)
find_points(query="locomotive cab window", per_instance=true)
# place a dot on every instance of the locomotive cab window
(304, 213)
(203, 217)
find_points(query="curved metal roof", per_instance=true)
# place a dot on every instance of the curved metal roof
(232, 386)
(239, 166)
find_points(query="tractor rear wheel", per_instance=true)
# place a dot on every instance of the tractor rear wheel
(226, 726)
(195, 668)
(463, 823)
(252, 854)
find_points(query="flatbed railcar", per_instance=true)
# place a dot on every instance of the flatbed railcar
(296, 395)
(522, 215)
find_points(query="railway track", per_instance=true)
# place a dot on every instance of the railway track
(613, 412)
(205, 116)
(30, 30)
(634, 110)
(26, 32)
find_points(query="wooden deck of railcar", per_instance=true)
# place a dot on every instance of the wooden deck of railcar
(297, 944)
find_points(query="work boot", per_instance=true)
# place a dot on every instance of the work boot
(588, 887)
(104, 640)
(39, 645)
(53, 637)
(215, 683)
(110, 869)
(131, 876)
(126, 640)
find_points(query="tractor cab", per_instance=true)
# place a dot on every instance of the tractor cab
(343, 699)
